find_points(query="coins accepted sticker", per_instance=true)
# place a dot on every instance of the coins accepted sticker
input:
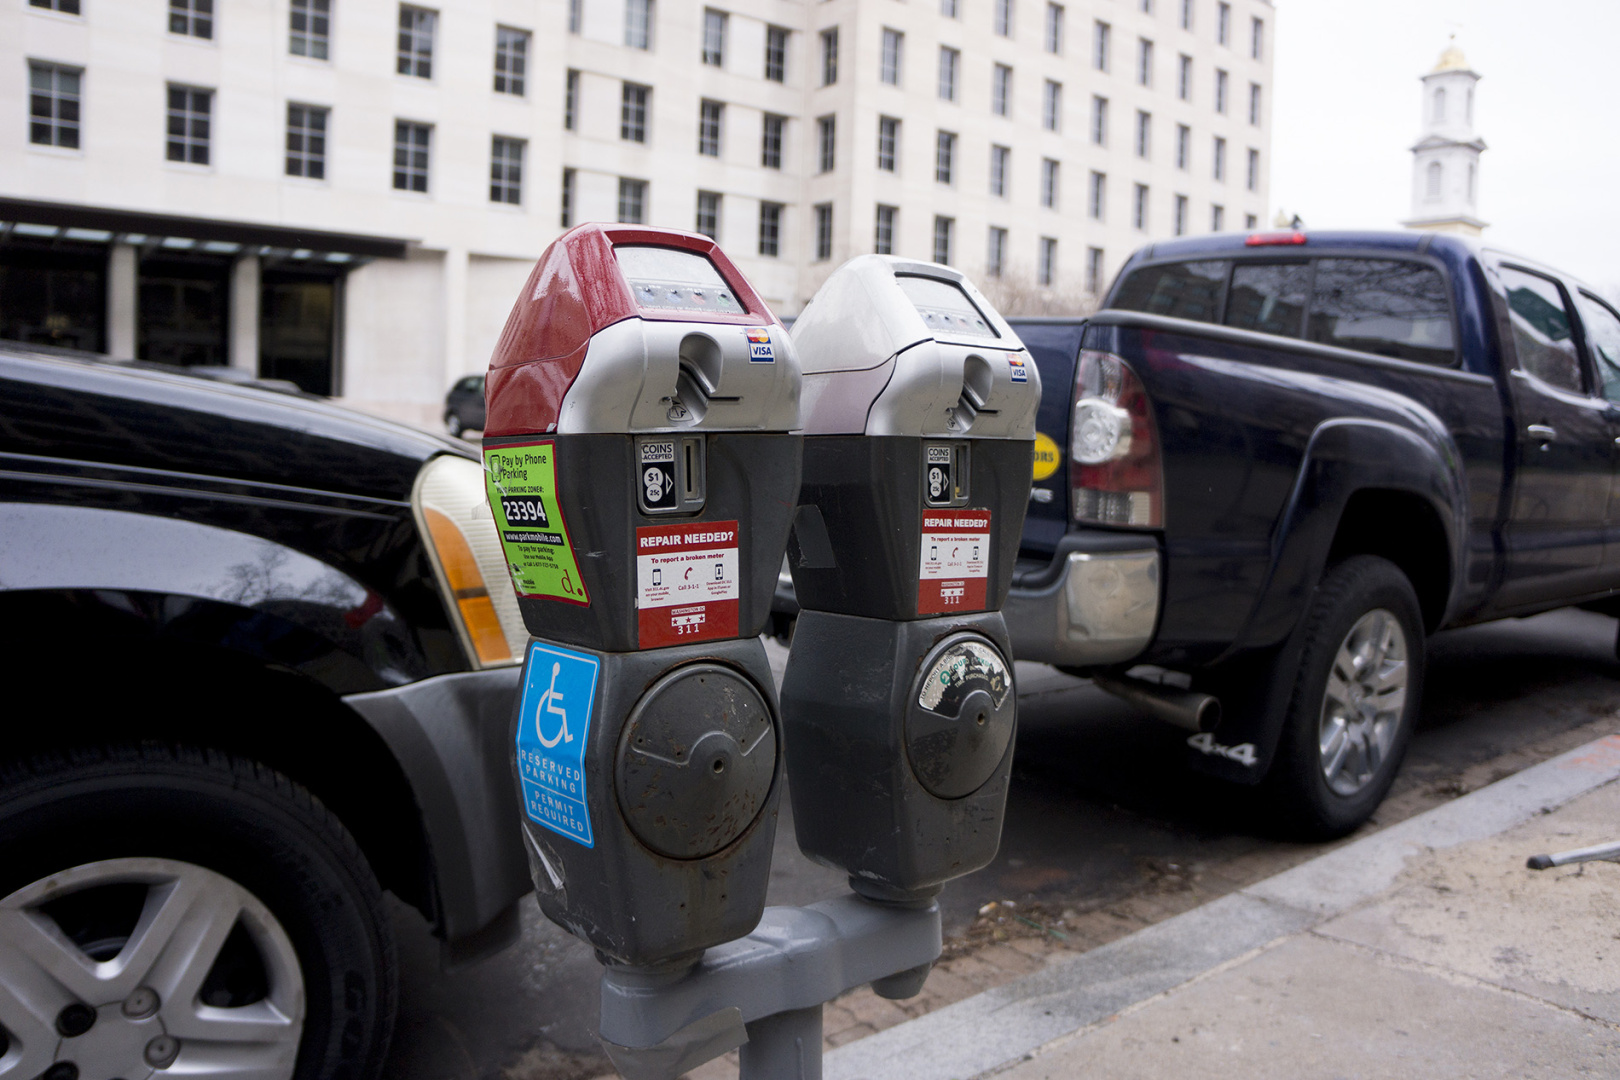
(686, 582)
(522, 484)
(955, 571)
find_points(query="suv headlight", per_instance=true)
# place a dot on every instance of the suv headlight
(459, 532)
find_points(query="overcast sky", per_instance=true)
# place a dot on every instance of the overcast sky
(1346, 114)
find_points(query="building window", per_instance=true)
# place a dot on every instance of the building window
(1099, 121)
(66, 7)
(1223, 23)
(951, 9)
(511, 60)
(193, 18)
(827, 142)
(708, 214)
(1100, 33)
(1183, 146)
(566, 218)
(1252, 182)
(888, 142)
(883, 230)
(53, 105)
(190, 127)
(632, 201)
(1139, 207)
(1184, 78)
(506, 170)
(1181, 215)
(1250, 221)
(1054, 29)
(638, 24)
(889, 58)
(306, 141)
(576, 15)
(714, 37)
(1095, 196)
(770, 228)
(829, 56)
(944, 234)
(776, 39)
(1257, 38)
(1254, 104)
(412, 144)
(1144, 62)
(1046, 268)
(950, 60)
(1094, 270)
(1000, 157)
(1439, 115)
(309, 28)
(416, 27)
(633, 112)
(995, 254)
(1218, 166)
(1004, 18)
(824, 232)
(1144, 134)
(1052, 106)
(710, 114)
(1186, 14)
(1049, 183)
(571, 102)
(770, 141)
(1217, 218)
(1220, 91)
(1001, 90)
(944, 156)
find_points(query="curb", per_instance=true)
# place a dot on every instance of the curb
(997, 1028)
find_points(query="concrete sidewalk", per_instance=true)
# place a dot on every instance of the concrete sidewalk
(1425, 949)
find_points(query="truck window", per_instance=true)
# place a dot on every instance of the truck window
(1382, 306)
(1541, 329)
(1602, 340)
(1189, 290)
(1268, 297)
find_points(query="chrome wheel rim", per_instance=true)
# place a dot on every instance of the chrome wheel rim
(141, 968)
(1364, 702)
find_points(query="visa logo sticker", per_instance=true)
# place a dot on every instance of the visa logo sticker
(760, 349)
(1020, 373)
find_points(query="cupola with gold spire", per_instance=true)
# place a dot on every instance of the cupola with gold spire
(1445, 160)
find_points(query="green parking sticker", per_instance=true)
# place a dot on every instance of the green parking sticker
(522, 482)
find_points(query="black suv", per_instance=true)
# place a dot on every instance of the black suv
(273, 680)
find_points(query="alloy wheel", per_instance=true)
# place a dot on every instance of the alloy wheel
(1364, 702)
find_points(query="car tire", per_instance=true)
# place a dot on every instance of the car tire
(1357, 689)
(453, 424)
(238, 906)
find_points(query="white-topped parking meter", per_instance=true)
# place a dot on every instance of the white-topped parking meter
(919, 405)
(642, 475)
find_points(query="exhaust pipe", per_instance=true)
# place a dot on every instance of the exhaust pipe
(1186, 709)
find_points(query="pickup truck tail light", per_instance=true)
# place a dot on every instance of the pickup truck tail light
(1115, 470)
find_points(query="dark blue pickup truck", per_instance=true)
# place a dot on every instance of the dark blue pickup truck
(1272, 464)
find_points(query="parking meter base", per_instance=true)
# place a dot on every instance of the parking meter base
(895, 794)
(680, 784)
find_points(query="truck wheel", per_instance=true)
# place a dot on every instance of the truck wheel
(165, 908)
(1356, 696)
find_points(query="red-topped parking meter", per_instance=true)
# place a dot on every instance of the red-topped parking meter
(642, 476)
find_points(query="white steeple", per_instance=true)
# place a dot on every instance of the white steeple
(1445, 161)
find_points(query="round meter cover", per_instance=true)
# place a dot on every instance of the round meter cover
(958, 730)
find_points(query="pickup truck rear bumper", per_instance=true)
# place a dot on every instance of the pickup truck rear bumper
(1094, 603)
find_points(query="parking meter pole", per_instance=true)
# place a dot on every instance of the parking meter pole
(786, 1046)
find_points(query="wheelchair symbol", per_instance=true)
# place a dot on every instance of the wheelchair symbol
(549, 703)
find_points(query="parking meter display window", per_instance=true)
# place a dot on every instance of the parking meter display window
(687, 584)
(553, 731)
(665, 278)
(522, 483)
(954, 573)
(944, 307)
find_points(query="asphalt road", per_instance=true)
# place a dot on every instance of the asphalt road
(1101, 804)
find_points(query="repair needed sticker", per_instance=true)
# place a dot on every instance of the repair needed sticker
(686, 582)
(955, 571)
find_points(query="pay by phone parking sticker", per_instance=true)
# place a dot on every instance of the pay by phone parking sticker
(522, 483)
(554, 722)
(955, 571)
(760, 349)
(686, 583)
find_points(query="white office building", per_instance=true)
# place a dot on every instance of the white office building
(350, 193)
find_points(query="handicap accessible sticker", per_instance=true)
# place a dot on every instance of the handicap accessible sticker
(522, 483)
(554, 720)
